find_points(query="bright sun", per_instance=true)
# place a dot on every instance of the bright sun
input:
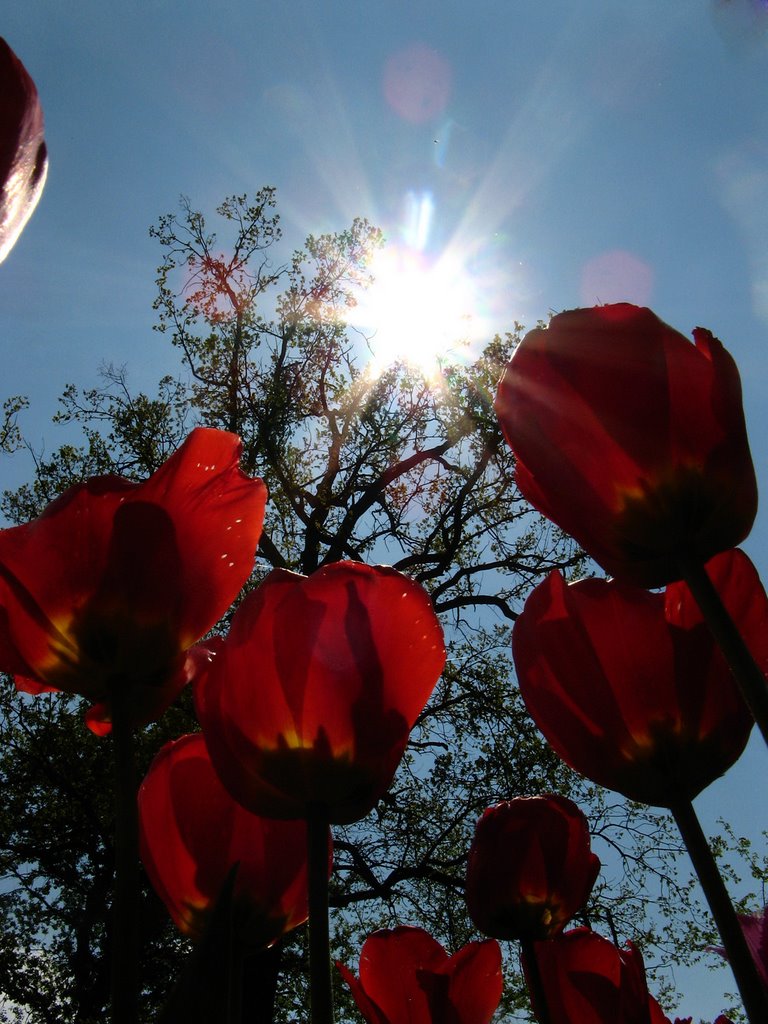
(421, 310)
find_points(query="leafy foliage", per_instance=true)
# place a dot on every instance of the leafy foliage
(388, 468)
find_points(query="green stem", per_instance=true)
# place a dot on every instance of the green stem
(125, 921)
(321, 996)
(534, 981)
(746, 672)
(753, 995)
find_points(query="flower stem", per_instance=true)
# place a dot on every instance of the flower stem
(534, 981)
(753, 995)
(745, 669)
(260, 985)
(321, 995)
(125, 905)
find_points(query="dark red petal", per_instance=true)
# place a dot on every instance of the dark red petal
(116, 579)
(631, 439)
(635, 1001)
(336, 698)
(530, 867)
(98, 719)
(476, 981)
(657, 1015)
(366, 1006)
(217, 513)
(593, 671)
(49, 567)
(26, 685)
(737, 582)
(629, 701)
(23, 155)
(581, 975)
(729, 466)
(182, 806)
(389, 962)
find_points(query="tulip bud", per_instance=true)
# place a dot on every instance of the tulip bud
(530, 868)
(631, 439)
(407, 976)
(310, 700)
(628, 686)
(193, 833)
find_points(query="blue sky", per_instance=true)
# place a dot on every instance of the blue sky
(570, 153)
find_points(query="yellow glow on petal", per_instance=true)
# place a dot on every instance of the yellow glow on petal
(62, 645)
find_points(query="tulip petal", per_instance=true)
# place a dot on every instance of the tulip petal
(587, 980)
(476, 982)
(182, 805)
(628, 699)
(23, 154)
(406, 977)
(115, 580)
(312, 696)
(389, 963)
(530, 867)
(631, 439)
(366, 1006)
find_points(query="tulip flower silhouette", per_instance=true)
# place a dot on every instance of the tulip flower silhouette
(530, 868)
(629, 689)
(755, 928)
(107, 590)
(628, 686)
(587, 980)
(23, 155)
(659, 1017)
(193, 833)
(631, 439)
(308, 703)
(406, 977)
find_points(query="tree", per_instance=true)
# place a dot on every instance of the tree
(386, 468)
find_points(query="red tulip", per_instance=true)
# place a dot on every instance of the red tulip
(310, 700)
(587, 980)
(23, 156)
(631, 439)
(755, 928)
(628, 686)
(406, 977)
(530, 867)
(113, 583)
(659, 1017)
(193, 832)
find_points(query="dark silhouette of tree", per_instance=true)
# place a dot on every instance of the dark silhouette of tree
(379, 468)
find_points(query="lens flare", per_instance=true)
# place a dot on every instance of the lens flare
(423, 308)
(417, 83)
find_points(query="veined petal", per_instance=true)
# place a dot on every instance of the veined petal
(631, 439)
(115, 580)
(629, 699)
(406, 977)
(311, 698)
(182, 805)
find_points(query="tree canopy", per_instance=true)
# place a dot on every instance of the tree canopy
(385, 467)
